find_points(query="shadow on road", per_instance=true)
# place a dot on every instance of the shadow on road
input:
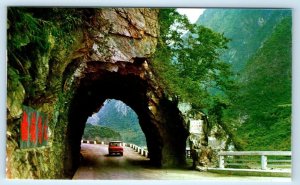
(116, 155)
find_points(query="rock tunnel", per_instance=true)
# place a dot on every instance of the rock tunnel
(132, 83)
(110, 59)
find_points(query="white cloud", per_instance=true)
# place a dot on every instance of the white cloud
(192, 13)
(94, 119)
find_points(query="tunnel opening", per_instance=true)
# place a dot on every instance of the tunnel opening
(114, 121)
(159, 118)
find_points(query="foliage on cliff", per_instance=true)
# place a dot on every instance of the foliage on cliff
(39, 43)
(37, 40)
(264, 100)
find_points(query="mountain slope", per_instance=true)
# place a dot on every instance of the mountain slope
(265, 95)
(247, 29)
(259, 114)
(118, 116)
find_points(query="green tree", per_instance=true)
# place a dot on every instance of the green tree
(188, 61)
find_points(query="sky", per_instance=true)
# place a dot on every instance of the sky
(192, 13)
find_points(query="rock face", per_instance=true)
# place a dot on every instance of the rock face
(109, 59)
(121, 35)
(201, 150)
(15, 98)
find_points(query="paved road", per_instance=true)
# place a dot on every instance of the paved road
(98, 165)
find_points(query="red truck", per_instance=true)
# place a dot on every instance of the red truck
(115, 147)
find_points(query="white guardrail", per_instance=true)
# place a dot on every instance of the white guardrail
(136, 148)
(236, 158)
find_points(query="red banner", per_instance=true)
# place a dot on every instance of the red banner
(33, 128)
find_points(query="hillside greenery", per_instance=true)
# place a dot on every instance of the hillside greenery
(258, 115)
(100, 133)
(252, 103)
(247, 29)
(263, 104)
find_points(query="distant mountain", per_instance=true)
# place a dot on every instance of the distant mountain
(121, 118)
(260, 53)
(247, 28)
(265, 95)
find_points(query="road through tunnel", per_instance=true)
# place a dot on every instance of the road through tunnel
(134, 84)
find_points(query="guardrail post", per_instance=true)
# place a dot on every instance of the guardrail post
(262, 154)
(188, 153)
(264, 162)
(221, 161)
(146, 154)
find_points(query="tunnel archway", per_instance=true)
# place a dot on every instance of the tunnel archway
(104, 57)
(135, 85)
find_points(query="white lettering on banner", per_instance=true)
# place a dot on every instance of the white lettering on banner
(196, 126)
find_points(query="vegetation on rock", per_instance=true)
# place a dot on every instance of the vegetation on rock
(37, 42)
(39, 45)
